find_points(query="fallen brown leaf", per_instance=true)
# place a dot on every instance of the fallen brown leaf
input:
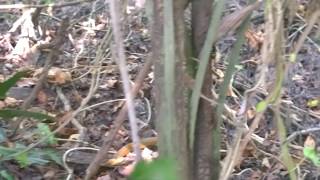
(104, 177)
(2, 105)
(42, 97)
(127, 170)
(10, 102)
(255, 40)
(111, 83)
(310, 142)
(58, 76)
(251, 113)
(2, 78)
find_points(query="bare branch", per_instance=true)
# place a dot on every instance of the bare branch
(121, 60)
(23, 6)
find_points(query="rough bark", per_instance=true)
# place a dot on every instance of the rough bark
(180, 140)
(201, 13)
(157, 56)
(181, 95)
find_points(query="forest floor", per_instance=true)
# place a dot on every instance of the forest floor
(70, 78)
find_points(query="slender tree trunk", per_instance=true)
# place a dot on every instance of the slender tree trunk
(179, 142)
(201, 13)
(157, 55)
(181, 94)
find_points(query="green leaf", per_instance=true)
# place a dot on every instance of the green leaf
(5, 86)
(4, 151)
(34, 156)
(313, 103)
(22, 159)
(11, 113)
(261, 106)
(37, 156)
(239, 67)
(54, 156)
(7, 176)
(44, 130)
(160, 169)
(312, 154)
(47, 2)
(3, 135)
(293, 57)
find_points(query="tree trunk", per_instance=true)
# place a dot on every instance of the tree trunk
(201, 13)
(179, 142)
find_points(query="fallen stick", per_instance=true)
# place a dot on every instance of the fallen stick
(108, 140)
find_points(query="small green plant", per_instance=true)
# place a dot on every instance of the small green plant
(47, 1)
(312, 154)
(5, 86)
(157, 170)
(34, 156)
(310, 151)
(6, 175)
(44, 131)
(11, 113)
(261, 106)
(18, 153)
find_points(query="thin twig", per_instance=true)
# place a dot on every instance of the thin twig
(67, 108)
(52, 56)
(121, 60)
(301, 132)
(65, 156)
(52, 5)
(107, 142)
(68, 117)
(76, 25)
(77, 141)
(304, 35)
(231, 157)
(64, 100)
(101, 103)
(20, 21)
(85, 36)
